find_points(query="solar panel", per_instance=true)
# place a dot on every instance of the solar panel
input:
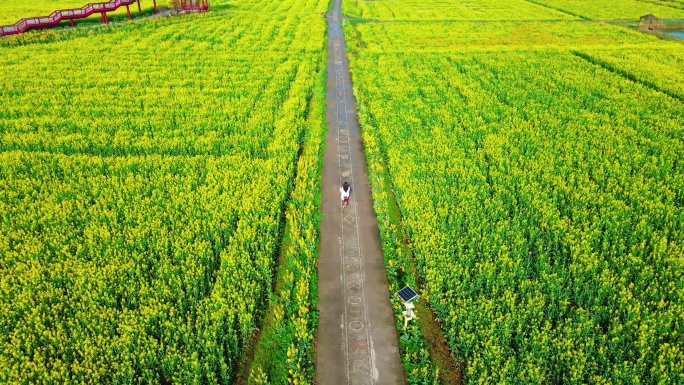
(407, 294)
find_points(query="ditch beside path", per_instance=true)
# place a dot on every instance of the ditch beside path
(357, 341)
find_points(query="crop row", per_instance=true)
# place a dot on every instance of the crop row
(451, 10)
(511, 10)
(659, 72)
(504, 36)
(614, 9)
(284, 352)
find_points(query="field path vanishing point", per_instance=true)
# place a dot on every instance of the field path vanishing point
(357, 341)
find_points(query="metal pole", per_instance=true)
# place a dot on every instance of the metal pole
(155, 6)
(128, 12)
(139, 10)
(72, 23)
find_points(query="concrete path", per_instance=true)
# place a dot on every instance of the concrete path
(357, 341)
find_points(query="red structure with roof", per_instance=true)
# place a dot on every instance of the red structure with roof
(192, 5)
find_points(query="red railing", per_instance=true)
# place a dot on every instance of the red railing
(80, 13)
(67, 14)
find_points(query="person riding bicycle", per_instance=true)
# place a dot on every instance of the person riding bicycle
(345, 190)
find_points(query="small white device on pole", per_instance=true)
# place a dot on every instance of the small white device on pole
(408, 295)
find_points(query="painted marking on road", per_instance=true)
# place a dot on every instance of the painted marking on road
(356, 325)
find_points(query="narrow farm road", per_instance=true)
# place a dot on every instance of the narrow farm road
(357, 340)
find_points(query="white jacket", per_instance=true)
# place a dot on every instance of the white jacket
(345, 194)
